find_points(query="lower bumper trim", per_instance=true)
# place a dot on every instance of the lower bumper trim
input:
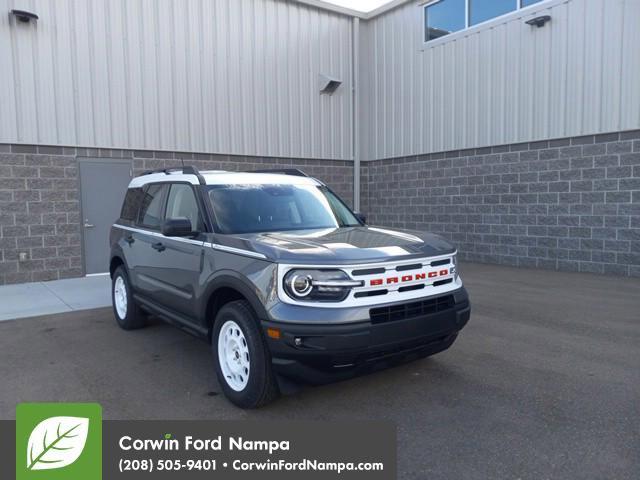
(309, 373)
(320, 353)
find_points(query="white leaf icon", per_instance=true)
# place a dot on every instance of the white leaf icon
(57, 442)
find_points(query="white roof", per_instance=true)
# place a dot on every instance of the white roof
(220, 177)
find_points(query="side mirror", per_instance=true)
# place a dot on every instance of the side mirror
(361, 216)
(177, 227)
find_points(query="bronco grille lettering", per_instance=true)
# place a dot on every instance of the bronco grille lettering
(376, 282)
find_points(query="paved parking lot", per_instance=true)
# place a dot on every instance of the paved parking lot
(544, 383)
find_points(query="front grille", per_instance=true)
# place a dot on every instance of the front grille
(411, 310)
(367, 271)
(404, 268)
(446, 261)
(371, 293)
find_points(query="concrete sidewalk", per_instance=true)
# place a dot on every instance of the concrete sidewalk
(58, 296)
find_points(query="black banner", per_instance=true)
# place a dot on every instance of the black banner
(237, 450)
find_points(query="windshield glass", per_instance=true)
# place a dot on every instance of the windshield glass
(276, 208)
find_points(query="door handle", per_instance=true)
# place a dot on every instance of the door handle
(129, 239)
(158, 246)
(87, 224)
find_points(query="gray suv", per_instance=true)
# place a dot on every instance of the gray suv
(280, 277)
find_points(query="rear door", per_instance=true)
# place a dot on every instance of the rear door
(148, 247)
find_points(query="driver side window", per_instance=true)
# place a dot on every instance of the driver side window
(182, 203)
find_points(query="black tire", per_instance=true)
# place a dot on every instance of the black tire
(261, 386)
(134, 317)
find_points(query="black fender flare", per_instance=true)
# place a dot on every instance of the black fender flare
(231, 279)
(116, 252)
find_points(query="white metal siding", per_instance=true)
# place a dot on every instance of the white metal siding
(221, 76)
(507, 82)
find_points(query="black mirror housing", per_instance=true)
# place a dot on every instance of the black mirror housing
(177, 227)
(361, 216)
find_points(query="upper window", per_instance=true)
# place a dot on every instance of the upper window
(443, 17)
(182, 203)
(483, 10)
(150, 214)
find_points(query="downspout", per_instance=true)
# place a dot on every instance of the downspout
(355, 111)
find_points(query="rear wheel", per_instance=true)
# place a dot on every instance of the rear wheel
(241, 357)
(126, 310)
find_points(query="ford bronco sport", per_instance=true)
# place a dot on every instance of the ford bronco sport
(281, 277)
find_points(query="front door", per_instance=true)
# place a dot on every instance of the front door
(103, 184)
(181, 259)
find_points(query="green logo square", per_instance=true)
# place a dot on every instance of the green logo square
(58, 441)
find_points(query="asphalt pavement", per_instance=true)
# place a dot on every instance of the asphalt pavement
(544, 382)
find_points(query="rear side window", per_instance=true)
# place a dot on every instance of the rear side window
(150, 215)
(131, 204)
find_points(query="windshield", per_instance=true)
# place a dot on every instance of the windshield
(275, 208)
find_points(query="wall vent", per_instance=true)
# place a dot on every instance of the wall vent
(24, 16)
(328, 84)
(538, 21)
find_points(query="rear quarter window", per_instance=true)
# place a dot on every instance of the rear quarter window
(131, 205)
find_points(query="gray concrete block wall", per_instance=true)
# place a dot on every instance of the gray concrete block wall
(40, 205)
(568, 204)
(39, 217)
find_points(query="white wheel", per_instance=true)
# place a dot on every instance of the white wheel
(233, 356)
(125, 309)
(241, 356)
(120, 297)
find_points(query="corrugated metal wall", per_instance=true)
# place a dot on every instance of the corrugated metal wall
(240, 77)
(218, 76)
(507, 83)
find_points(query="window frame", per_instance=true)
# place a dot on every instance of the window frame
(350, 210)
(519, 12)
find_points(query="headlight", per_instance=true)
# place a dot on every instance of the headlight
(319, 285)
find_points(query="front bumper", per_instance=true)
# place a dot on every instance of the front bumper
(329, 352)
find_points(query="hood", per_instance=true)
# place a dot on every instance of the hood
(342, 245)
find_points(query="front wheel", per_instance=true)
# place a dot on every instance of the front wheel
(241, 357)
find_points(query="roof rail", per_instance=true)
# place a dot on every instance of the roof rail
(282, 171)
(166, 171)
(186, 170)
